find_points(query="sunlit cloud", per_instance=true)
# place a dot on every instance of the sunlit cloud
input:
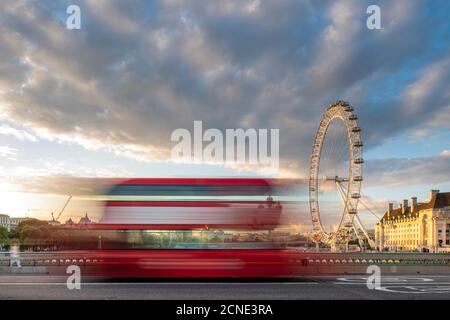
(19, 134)
(8, 152)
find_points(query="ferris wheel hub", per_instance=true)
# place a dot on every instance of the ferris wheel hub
(336, 179)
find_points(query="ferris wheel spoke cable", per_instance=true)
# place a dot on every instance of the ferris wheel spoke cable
(326, 151)
(333, 158)
(363, 200)
(374, 204)
(343, 149)
(368, 209)
(334, 161)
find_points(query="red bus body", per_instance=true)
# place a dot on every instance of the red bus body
(210, 263)
(142, 208)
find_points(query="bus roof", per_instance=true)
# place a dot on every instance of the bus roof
(196, 181)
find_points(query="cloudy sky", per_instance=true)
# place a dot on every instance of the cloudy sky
(103, 101)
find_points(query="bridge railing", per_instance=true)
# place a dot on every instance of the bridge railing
(36, 259)
(361, 258)
(304, 259)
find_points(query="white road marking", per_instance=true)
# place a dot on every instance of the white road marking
(417, 290)
(158, 283)
(386, 279)
(412, 285)
(396, 283)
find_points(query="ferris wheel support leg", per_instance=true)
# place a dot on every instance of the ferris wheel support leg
(341, 192)
(344, 201)
(371, 242)
(358, 222)
(356, 218)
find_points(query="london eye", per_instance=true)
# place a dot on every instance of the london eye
(336, 174)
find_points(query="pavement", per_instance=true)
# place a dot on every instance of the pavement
(22, 286)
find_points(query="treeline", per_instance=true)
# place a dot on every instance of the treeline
(33, 234)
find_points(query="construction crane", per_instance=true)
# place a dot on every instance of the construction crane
(62, 210)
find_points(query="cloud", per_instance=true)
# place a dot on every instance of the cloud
(8, 152)
(17, 133)
(135, 73)
(402, 172)
(62, 185)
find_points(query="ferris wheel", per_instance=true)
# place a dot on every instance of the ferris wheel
(336, 177)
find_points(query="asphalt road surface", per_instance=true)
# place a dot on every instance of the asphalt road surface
(323, 288)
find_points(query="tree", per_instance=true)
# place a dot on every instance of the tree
(4, 238)
(32, 232)
(3, 234)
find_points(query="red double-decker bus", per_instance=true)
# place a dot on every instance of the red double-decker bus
(187, 227)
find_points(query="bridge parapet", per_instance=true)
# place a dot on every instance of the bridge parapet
(377, 259)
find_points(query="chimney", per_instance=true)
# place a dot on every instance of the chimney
(433, 193)
(413, 204)
(390, 209)
(404, 205)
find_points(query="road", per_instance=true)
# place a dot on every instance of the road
(323, 288)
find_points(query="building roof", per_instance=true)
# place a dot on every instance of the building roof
(85, 219)
(440, 200)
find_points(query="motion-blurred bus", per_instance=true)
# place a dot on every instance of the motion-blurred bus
(189, 227)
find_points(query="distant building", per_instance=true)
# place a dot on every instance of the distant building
(9, 222)
(416, 226)
(14, 221)
(54, 223)
(4, 221)
(72, 223)
(85, 220)
(69, 222)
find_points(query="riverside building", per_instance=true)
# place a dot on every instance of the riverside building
(9, 222)
(415, 226)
